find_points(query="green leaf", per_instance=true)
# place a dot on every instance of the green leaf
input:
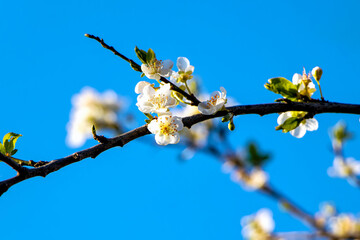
(8, 147)
(283, 87)
(13, 152)
(141, 54)
(290, 124)
(2, 149)
(142, 75)
(255, 157)
(150, 55)
(10, 135)
(9, 141)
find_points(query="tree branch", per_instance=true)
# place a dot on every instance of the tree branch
(121, 140)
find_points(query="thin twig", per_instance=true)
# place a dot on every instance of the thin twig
(137, 67)
(13, 164)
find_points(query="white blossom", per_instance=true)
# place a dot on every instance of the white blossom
(305, 86)
(91, 108)
(166, 129)
(185, 70)
(344, 168)
(254, 179)
(258, 226)
(344, 225)
(215, 103)
(310, 124)
(157, 69)
(153, 100)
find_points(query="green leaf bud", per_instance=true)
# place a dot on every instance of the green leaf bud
(231, 125)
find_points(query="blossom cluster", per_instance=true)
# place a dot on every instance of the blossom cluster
(340, 225)
(160, 99)
(343, 167)
(91, 108)
(295, 122)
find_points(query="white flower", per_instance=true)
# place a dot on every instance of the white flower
(252, 180)
(344, 168)
(258, 226)
(91, 108)
(157, 69)
(310, 124)
(216, 102)
(153, 100)
(305, 86)
(344, 225)
(185, 70)
(166, 128)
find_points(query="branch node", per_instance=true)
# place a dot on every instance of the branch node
(99, 138)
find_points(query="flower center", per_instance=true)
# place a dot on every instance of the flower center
(155, 66)
(213, 100)
(159, 101)
(168, 127)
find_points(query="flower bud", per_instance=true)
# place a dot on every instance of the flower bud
(231, 125)
(317, 72)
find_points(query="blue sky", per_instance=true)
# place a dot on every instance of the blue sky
(130, 194)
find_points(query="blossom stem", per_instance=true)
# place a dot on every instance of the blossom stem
(322, 98)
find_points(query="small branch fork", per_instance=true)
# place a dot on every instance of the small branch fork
(45, 168)
(137, 67)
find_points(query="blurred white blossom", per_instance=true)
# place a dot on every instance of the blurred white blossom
(258, 226)
(250, 180)
(327, 210)
(344, 168)
(91, 108)
(344, 225)
(310, 124)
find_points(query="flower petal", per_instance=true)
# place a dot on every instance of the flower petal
(282, 117)
(206, 108)
(189, 69)
(223, 92)
(166, 68)
(299, 132)
(140, 86)
(182, 63)
(174, 138)
(296, 79)
(311, 124)
(153, 127)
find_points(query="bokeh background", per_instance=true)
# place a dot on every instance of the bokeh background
(143, 191)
